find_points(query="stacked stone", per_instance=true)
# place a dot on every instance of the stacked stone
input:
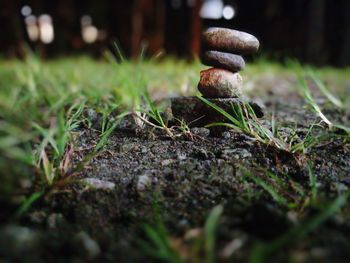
(222, 51)
(222, 84)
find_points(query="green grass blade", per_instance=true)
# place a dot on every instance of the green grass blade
(312, 183)
(154, 113)
(104, 138)
(210, 228)
(241, 118)
(268, 188)
(221, 111)
(228, 125)
(27, 203)
(119, 52)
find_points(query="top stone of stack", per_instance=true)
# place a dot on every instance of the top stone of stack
(229, 40)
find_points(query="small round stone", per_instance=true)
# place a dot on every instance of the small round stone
(223, 60)
(229, 40)
(220, 83)
(201, 131)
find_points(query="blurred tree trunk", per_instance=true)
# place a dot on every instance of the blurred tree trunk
(196, 29)
(120, 24)
(11, 41)
(137, 26)
(344, 59)
(147, 26)
(66, 15)
(299, 22)
(316, 31)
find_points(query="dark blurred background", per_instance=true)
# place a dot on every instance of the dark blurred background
(313, 31)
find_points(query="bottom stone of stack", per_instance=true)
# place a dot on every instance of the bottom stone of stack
(197, 113)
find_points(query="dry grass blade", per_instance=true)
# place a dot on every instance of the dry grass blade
(305, 92)
(322, 87)
(67, 158)
(48, 168)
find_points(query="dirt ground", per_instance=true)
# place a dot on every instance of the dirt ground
(142, 174)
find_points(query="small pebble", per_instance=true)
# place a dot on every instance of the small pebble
(220, 83)
(54, 220)
(99, 184)
(201, 131)
(226, 135)
(143, 183)
(86, 245)
(144, 149)
(37, 217)
(229, 40)
(232, 247)
(167, 162)
(231, 62)
(94, 118)
(181, 156)
(204, 154)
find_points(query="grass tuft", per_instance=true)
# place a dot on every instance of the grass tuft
(243, 119)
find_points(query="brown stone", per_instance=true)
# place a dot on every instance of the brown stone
(220, 83)
(217, 59)
(229, 40)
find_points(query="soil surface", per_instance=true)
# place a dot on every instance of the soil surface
(144, 174)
